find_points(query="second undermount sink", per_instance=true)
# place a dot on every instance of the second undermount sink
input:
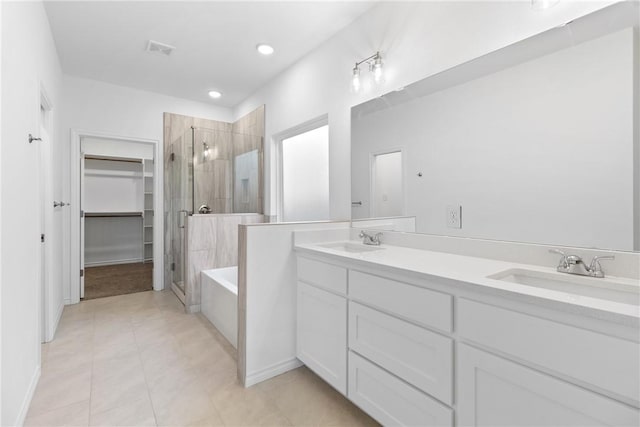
(351, 247)
(573, 284)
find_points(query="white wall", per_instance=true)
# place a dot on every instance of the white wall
(1, 181)
(105, 108)
(116, 148)
(530, 156)
(416, 39)
(270, 290)
(28, 60)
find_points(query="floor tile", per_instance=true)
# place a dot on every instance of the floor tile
(61, 389)
(134, 413)
(139, 360)
(76, 414)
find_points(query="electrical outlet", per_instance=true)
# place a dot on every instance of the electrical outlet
(454, 216)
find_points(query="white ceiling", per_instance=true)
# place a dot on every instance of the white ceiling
(215, 42)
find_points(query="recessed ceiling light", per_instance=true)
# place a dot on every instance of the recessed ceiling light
(215, 94)
(265, 49)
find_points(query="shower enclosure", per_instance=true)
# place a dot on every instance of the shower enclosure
(211, 172)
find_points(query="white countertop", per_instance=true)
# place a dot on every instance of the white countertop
(474, 271)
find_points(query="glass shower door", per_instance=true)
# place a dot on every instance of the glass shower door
(181, 204)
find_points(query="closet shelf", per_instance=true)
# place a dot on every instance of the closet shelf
(111, 214)
(148, 243)
(113, 158)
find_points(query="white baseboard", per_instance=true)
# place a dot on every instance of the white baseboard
(26, 402)
(271, 371)
(114, 262)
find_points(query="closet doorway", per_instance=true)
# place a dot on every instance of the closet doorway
(117, 227)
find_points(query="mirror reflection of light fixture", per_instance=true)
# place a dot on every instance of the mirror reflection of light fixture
(205, 152)
(375, 66)
(355, 80)
(543, 4)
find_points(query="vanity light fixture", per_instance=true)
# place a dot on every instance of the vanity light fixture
(375, 66)
(215, 94)
(543, 4)
(265, 49)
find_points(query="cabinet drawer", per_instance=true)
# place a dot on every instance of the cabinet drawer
(390, 400)
(322, 334)
(418, 356)
(423, 306)
(321, 274)
(493, 391)
(597, 359)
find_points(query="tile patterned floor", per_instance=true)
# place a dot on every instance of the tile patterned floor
(139, 360)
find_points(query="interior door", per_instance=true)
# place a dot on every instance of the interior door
(81, 225)
(387, 191)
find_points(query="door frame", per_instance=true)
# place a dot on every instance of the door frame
(158, 207)
(50, 316)
(372, 177)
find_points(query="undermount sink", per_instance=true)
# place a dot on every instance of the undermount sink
(351, 247)
(573, 284)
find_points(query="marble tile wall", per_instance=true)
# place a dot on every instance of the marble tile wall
(213, 171)
(175, 127)
(248, 135)
(213, 185)
(212, 242)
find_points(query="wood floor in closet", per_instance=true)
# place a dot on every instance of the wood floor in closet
(119, 279)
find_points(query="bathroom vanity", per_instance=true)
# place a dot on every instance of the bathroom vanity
(418, 337)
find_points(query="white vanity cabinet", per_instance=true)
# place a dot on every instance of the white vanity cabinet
(322, 321)
(493, 391)
(431, 352)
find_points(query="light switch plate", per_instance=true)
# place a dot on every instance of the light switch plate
(454, 216)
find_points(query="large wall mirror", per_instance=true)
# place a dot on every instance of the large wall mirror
(536, 142)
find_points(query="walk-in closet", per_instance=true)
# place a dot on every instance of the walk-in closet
(117, 192)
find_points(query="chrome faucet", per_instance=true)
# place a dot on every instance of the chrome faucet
(573, 264)
(369, 239)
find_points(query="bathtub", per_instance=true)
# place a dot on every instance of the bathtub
(219, 302)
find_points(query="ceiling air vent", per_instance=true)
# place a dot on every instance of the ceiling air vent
(154, 46)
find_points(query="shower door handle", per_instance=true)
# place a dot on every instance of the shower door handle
(185, 212)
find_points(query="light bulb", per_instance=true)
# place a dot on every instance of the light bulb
(355, 80)
(265, 49)
(376, 68)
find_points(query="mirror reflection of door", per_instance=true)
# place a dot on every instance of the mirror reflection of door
(387, 194)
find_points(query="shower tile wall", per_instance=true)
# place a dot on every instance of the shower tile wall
(214, 186)
(213, 172)
(248, 134)
(175, 126)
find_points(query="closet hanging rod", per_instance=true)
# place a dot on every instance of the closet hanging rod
(114, 159)
(111, 214)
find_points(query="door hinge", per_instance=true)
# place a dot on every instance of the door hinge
(81, 214)
(42, 238)
(173, 156)
(81, 272)
(173, 266)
